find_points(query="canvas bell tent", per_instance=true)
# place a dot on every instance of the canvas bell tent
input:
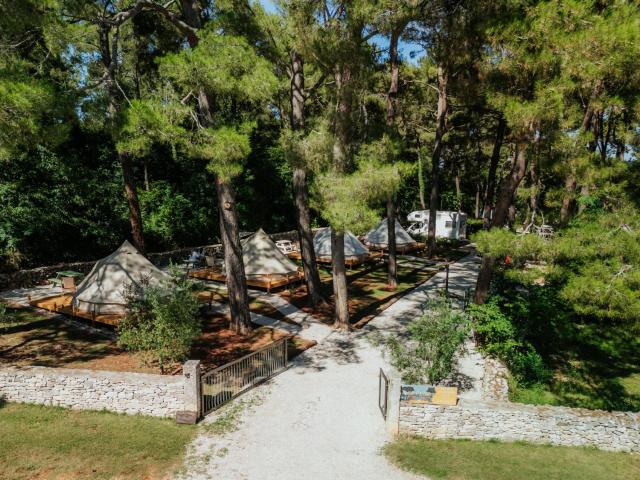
(102, 290)
(378, 238)
(262, 257)
(354, 251)
(264, 265)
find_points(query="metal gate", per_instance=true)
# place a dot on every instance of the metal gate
(383, 393)
(228, 381)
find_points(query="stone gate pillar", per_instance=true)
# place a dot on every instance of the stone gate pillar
(192, 408)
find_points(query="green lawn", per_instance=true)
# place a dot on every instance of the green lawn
(468, 460)
(55, 443)
(593, 367)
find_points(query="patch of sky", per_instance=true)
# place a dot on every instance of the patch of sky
(409, 51)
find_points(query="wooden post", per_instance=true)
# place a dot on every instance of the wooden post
(446, 281)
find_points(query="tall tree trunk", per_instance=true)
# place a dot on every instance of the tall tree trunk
(504, 200)
(567, 198)
(456, 182)
(533, 196)
(392, 267)
(146, 175)
(490, 191)
(229, 229)
(301, 188)
(135, 214)
(340, 158)
(476, 210)
(584, 192)
(341, 315)
(392, 271)
(620, 150)
(234, 266)
(421, 181)
(588, 120)
(311, 275)
(441, 125)
(342, 119)
(395, 76)
(109, 58)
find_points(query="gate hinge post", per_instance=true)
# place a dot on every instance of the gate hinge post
(192, 387)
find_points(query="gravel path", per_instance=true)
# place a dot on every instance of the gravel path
(319, 419)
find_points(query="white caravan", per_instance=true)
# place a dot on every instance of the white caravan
(451, 225)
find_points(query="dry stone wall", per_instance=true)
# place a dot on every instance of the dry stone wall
(495, 383)
(615, 431)
(122, 392)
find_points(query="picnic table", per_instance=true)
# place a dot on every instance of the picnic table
(58, 279)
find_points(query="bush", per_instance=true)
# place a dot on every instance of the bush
(435, 338)
(161, 322)
(502, 338)
(494, 328)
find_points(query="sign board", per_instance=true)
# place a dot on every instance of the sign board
(429, 394)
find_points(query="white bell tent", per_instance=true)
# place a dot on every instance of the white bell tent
(353, 248)
(102, 290)
(379, 237)
(261, 256)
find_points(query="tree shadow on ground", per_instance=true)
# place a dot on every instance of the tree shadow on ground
(458, 379)
(592, 368)
(342, 349)
(55, 342)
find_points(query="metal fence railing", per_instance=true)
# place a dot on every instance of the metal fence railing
(228, 381)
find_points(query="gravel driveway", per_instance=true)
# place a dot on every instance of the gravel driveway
(319, 419)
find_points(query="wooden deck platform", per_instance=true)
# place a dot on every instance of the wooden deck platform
(350, 262)
(62, 304)
(400, 249)
(267, 282)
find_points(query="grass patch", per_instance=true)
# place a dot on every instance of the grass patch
(14, 317)
(469, 460)
(592, 368)
(55, 443)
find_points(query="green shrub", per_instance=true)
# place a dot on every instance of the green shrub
(528, 366)
(501, 338)
(494, 328)
(435, 338)
(162, 321)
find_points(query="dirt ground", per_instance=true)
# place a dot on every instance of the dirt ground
(34, 339)
(368, 292)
